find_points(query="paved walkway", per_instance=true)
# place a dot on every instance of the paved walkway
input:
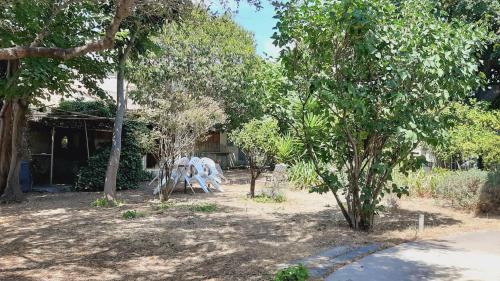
(472, 256)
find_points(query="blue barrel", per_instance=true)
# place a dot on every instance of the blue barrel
(25, 176)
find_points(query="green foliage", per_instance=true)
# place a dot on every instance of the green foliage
(421, 183)
(178, 121)
(488, 12)
(130, 171)
(100, 202)
(96, 108)
(490, 194)
(105, 203)
(472, 190)
(302, 175)
(368, 80)
(292, 273)
(205, 55)
(286, 149)
(474, 134)
(21, 21)
(462, 188)
(266, 198)
(258, 140)
(132, 214)
(163, 206)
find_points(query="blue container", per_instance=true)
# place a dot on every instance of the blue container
(25, 176)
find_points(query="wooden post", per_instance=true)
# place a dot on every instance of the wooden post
(52, 155)
(421, 223)
(87, 139)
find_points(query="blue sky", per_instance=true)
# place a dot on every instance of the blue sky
(260, 23)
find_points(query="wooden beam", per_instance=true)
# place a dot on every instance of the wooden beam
(87, 139)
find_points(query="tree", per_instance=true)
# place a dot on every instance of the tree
(205, 55)
(26, 80)
(258, 140)
(55, 10)
(368, 82)
(487, 11)
(178, 122)
(474, 135)
(134, 39)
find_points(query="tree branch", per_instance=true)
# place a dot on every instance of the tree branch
(123, 9)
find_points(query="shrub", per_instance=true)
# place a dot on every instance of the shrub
(421, 183)
(473, 190)
(130, 172)
(132, 214)
(490, 195)
(302, 175)
(462, 188)
(292, 273)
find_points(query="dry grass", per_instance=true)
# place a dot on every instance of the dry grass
(61, 237)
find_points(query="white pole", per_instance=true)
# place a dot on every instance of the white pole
(421, 223)
(52, 155)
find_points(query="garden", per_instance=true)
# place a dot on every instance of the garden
(377, 123)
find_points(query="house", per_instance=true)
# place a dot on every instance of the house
(61, 142)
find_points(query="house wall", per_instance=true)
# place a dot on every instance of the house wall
(70, 151)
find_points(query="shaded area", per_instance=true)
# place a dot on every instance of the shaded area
(59, 237)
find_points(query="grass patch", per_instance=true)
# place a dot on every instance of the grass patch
(132, 214)
(104, 203)
(163, 206)
(204, 207)
(263, 198)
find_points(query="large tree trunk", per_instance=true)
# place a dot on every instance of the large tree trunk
(6, 114)
(13, 191)
(114, 158)
(122, 11)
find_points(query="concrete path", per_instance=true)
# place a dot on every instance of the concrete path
(472, 256)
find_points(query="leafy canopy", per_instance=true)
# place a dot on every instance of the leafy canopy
(204, 55)
(73, 25)
(258, 140)
(474, 134)
(368, 80)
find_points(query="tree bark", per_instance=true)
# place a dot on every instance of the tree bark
(5, 142)
(254, 175)
(13, 191)
(114, 157)
(122, 11)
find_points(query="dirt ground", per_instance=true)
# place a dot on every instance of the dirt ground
(61, 237)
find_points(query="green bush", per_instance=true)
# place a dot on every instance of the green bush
(490, 195)
(302, 175)
(130, 172)
(462, 188)
(292, 273)
(132, 214)
(421, 183)
(473, 190)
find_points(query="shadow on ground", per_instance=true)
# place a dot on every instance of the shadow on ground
(59, 237)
